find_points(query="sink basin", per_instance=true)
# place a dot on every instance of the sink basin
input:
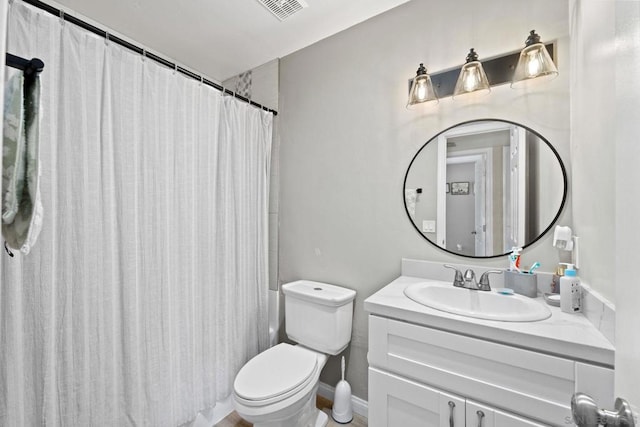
(488, 305)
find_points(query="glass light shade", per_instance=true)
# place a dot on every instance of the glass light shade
(472, 78)
(421, 89)
(534, 62)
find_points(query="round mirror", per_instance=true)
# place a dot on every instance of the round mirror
(481, 188)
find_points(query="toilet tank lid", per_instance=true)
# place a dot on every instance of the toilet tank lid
(318, 292)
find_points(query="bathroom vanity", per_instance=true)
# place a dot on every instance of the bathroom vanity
(432, 368)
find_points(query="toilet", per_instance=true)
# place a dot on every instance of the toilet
(277, 388)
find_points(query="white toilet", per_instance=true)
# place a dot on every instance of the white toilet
(277, 388)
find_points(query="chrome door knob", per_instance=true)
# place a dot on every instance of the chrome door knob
(586, 413)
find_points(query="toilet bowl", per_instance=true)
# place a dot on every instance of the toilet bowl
(277, 388)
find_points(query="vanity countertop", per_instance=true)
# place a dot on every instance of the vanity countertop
(562, 334)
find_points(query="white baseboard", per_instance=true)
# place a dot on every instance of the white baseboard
(360, 406)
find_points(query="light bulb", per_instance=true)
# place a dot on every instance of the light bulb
(533, 65)
(471, 80)
(421, 90)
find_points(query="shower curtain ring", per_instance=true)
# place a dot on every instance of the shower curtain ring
(106, 39)
(62, 16)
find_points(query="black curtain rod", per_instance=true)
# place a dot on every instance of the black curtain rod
(30, 67)
(102, 33)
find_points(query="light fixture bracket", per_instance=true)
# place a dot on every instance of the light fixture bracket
(532, 39)
(472, 55)
(499, 71)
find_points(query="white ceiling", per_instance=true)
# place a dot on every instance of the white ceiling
(222, 38)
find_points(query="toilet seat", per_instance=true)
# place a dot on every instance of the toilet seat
(276, 374)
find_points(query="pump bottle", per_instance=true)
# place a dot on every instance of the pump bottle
(570, 291)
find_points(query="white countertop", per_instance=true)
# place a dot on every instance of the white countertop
(563, 334)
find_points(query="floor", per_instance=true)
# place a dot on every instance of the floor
(234, 420)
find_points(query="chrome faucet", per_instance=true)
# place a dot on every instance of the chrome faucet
(468, 280)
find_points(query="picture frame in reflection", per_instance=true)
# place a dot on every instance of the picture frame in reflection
(460, 188)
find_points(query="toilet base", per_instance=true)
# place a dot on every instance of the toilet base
(322, 420)
(307, 416)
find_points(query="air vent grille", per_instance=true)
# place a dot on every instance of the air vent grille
(283, 9)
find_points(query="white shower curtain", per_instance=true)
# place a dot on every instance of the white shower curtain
(147, 289)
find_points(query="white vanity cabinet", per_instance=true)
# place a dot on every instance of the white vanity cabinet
(421, 376)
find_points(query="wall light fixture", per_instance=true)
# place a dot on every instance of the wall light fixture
(534, 62)
(536, 59)
(421, 88)
(472, 77)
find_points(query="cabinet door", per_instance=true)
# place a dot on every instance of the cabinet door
(395, 401)
(503, 419)
(479, 415)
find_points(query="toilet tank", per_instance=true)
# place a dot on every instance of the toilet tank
(318, 315)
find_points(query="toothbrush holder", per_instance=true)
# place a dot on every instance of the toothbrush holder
(522, 283)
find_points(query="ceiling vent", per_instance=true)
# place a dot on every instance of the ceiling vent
(283, 9)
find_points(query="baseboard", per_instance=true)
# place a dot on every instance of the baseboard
(360, 406)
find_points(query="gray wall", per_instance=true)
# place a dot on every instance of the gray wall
(3, 25)
(424, 174)
(347, 139)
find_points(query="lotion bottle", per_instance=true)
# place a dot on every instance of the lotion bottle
(570, 291)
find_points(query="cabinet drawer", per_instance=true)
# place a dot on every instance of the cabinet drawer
(535, 385)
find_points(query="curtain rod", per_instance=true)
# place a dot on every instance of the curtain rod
(105, 34)
(30, 67)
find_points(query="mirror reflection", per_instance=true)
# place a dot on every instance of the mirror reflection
(480, 188)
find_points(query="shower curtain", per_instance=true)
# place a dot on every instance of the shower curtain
(147, 289)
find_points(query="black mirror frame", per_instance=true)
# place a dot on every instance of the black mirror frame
(434, 138)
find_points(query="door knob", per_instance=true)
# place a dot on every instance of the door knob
(586, 413)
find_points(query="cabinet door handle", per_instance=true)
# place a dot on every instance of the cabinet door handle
(451, 406)
(480, 417)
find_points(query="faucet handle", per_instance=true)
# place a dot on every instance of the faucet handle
(483, 285)
(458, 279)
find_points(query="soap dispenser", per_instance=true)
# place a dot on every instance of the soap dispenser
(570, 291)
